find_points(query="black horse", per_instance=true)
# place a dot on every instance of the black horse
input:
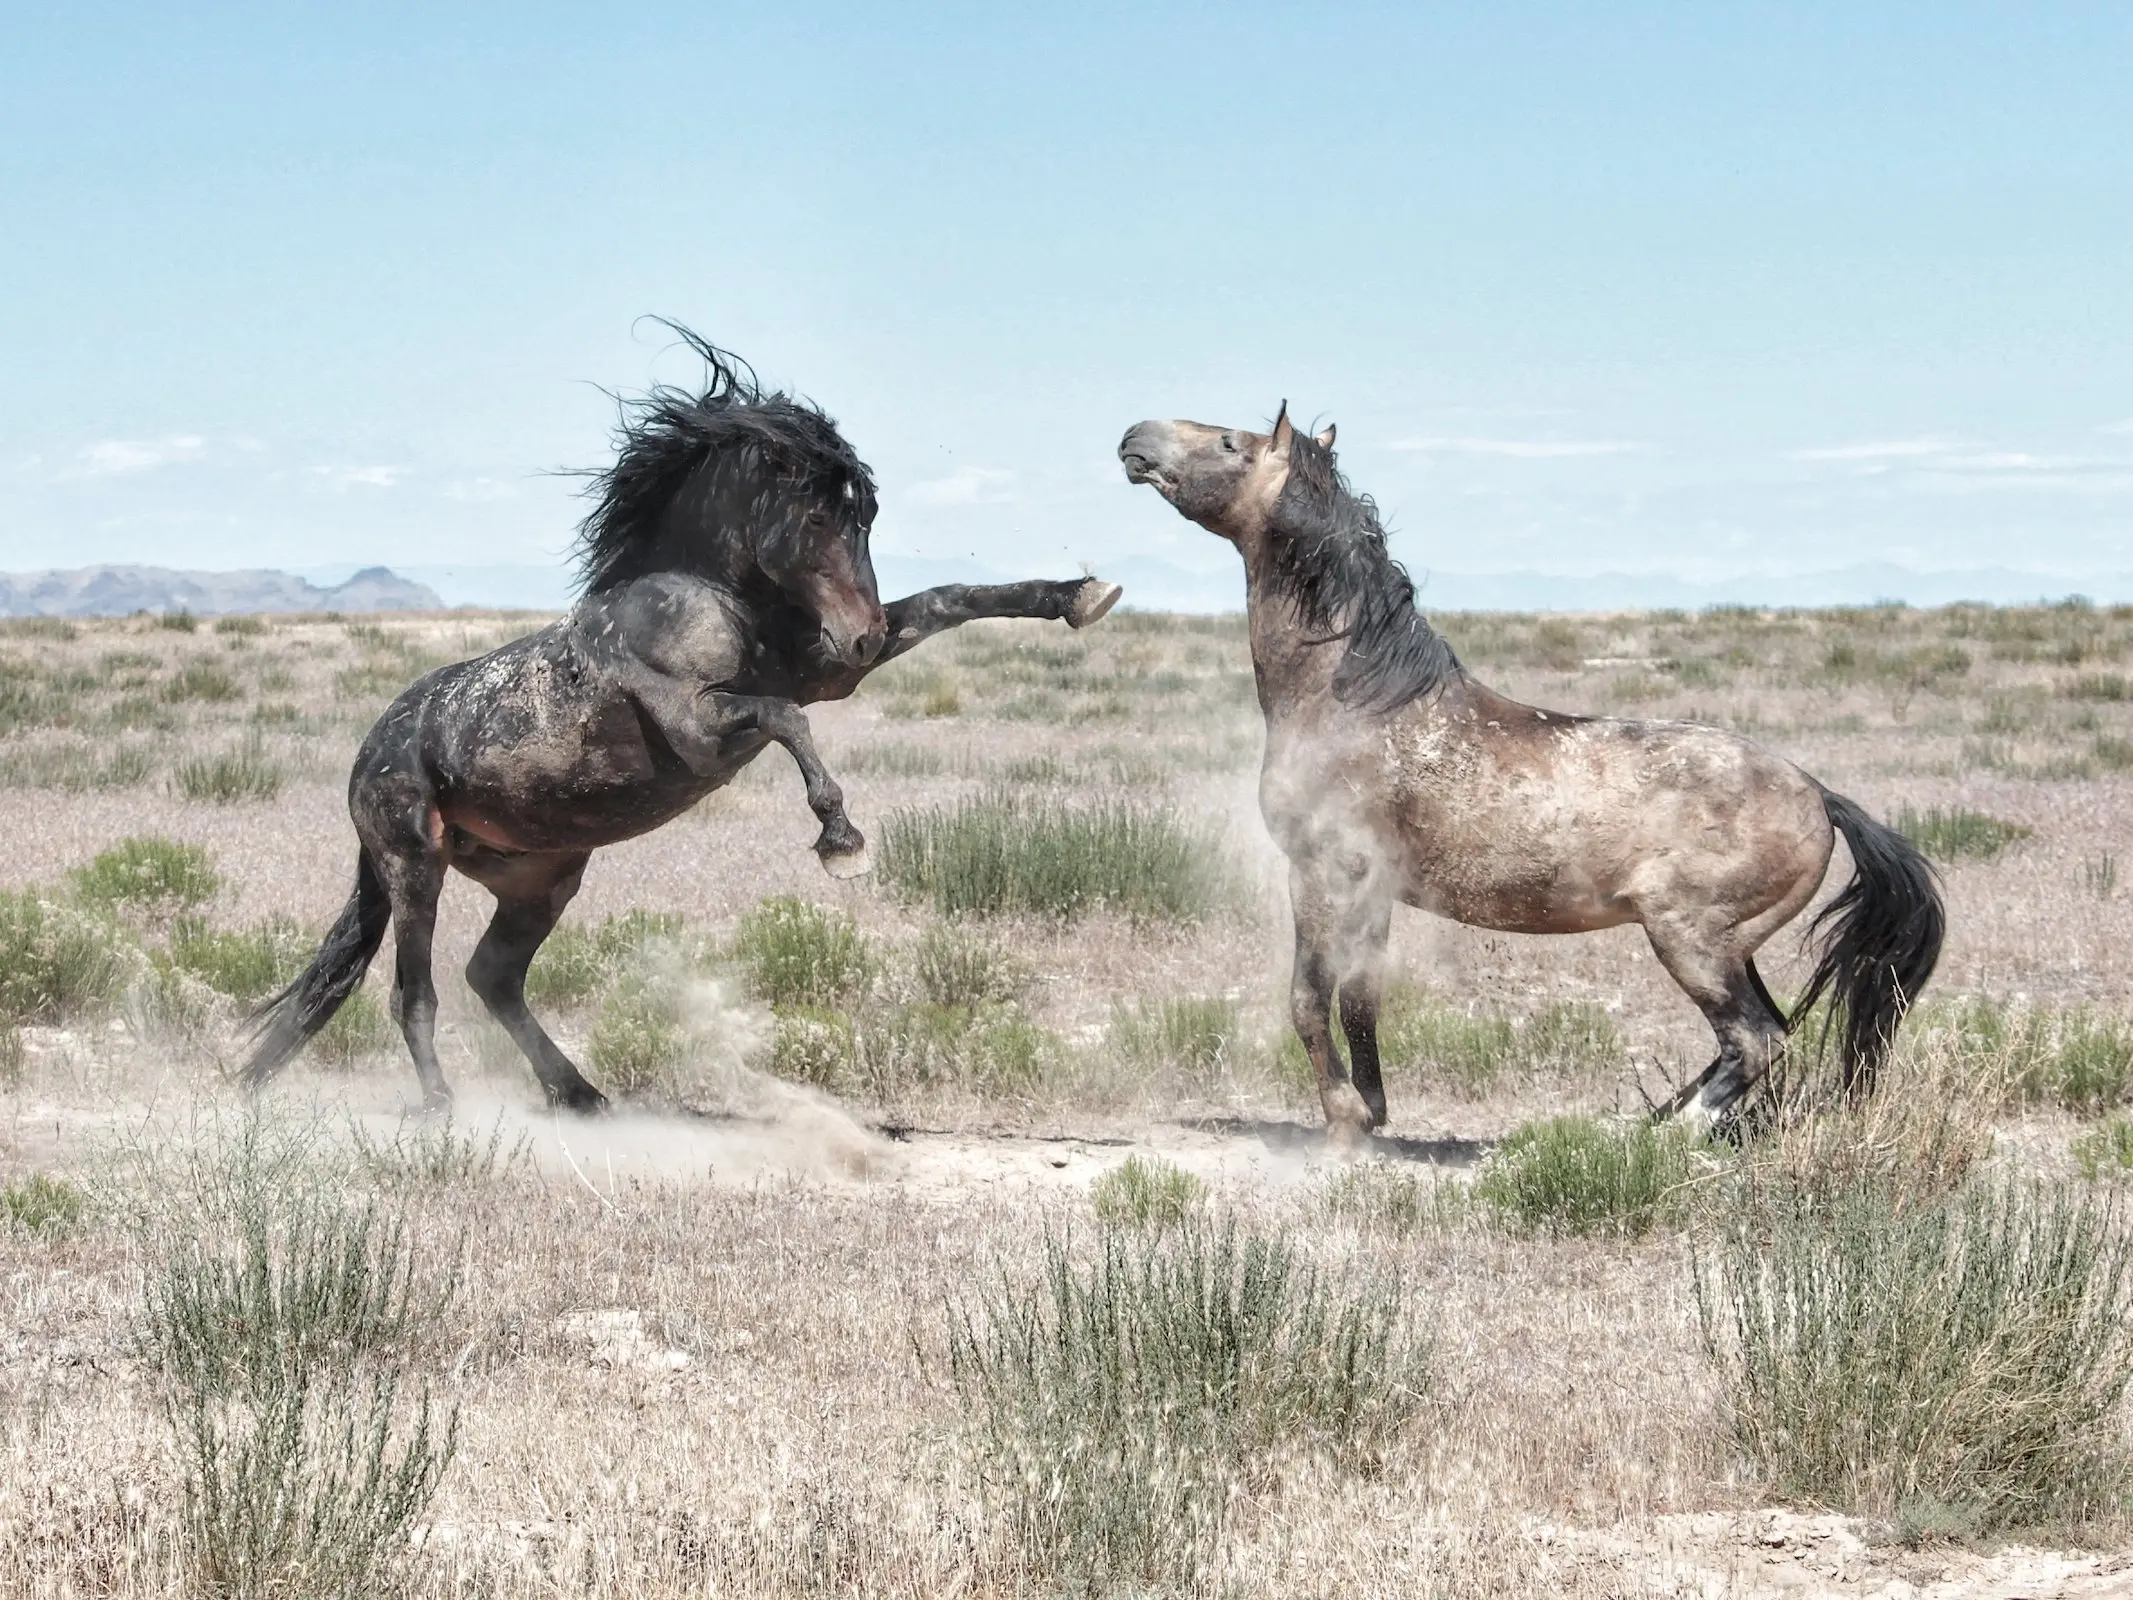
(726, 583)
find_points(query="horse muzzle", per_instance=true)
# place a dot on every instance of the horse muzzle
(1145, 452)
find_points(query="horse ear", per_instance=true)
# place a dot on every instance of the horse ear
(1324, 436)
(1284, 431)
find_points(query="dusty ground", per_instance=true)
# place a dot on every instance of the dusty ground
(679, 1334)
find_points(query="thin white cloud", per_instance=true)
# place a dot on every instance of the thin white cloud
(342, 478)
(1521, 449)
(966, 486)
(111, 457)
(1878, 450)
(2124, 425)
(476, 490)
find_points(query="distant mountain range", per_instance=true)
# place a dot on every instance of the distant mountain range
(1151, 585)
(121, 591)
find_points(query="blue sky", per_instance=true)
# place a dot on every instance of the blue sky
(1704, 291)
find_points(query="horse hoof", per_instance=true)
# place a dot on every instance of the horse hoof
(1348, 1121)
(843, 864)
(1092, 602)
(581, 1098)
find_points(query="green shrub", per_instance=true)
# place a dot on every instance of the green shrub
(959, 966)
(1957, 833)
(246, 964)
(797, 954)
(1119, 1409)
(2110, 686)
(202, 680)
(1582, 1174)
(13, 1056)
(1191, 1037)
(41, 1204)
(1146, 1192)
(577, 963)
(56, 963)
(240, 627)
(1969, 1352)
(148, 873)
(247, 773)
(74, 768)
(1006, 853)
(178, 621)
(2106, 1150)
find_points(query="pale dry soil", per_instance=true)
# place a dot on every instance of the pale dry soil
(703, 1353)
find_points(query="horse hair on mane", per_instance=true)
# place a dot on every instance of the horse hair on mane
(1330, 559)
(732, 441)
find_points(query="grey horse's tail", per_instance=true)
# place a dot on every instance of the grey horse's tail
(287, 1022)
(1877, 942)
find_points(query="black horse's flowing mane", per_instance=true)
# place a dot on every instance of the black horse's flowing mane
(1330, 560)
(748, 438)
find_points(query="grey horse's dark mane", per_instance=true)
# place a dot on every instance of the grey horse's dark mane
(732, 440)
(1330, 561)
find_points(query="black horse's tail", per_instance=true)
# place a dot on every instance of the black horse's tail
(287, 1022)
(1878, 941)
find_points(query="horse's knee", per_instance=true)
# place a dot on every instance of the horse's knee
(494, 982)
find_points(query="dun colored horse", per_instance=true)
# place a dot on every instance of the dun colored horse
(726, 584)
(1392, 775)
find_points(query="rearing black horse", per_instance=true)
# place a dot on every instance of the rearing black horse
(726, 584)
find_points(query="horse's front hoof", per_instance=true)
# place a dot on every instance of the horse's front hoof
(580, 1098)
(1348, 1121)
(842, 864)
(1092, 602)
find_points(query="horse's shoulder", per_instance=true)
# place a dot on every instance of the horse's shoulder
(673, 623)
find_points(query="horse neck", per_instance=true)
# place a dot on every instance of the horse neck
(1292, 669)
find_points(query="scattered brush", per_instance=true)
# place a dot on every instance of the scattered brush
(576, 963)
(1192, 1038)
(2074, 1059)
(2106, 1150)
(1379, 1197)
(57, 963)
(148, 873)
(797, 954)
(1883, 1353)
(1146, 1192)
(75, 768)
(206, 681)
(359, 1030)
(1007, 853)
(886, 1052)
(1581, 1174)
(1120, 1409)
(179, 621)
(247, 964)
(640, 1034)
(1468, 1054)
(440, 1157)
(1957, 833)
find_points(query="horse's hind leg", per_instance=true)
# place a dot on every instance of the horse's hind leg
(525, 916)
(405, 837)
(1717, 974)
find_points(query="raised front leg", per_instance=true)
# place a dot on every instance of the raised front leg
(842, 847)
(1078, 602)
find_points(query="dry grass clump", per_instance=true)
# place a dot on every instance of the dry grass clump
(956, 965)
(798, 954)
(886, 1054)
(57, 962)
(2077, 1059)
(42, 1204)
(1001, 852)
(1961, 1357)
(1122, 1408)
(1189, 1038)
(1146, 1192)
(1583, 1174)
(247, 773)
(285, 1344)
(1957, 833)
(1470, 1054)
(2106, 1150)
